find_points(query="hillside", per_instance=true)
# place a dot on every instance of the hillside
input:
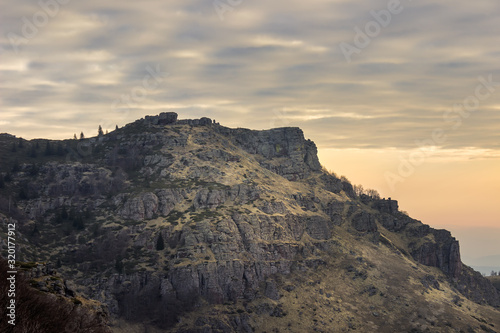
(190, 226)
(495, 280)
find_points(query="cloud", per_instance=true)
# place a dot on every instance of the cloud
(265, 64)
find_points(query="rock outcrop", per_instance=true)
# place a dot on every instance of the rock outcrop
(284, 151)
(165, 118)
(442, 252)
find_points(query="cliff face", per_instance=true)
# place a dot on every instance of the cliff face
(284, 151)
(170, 219)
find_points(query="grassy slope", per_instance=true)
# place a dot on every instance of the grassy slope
(383, 293)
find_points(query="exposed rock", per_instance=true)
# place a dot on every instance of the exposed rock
(335, 211)
(336, 185)
(386, 206)
(444, 253)
(164, 118)
(429, 281)
(319, 228)
(394, 223)
(209, 198)
(204, 121)
(271, 291)
(364, 222)
(297, 156)
(139, 208)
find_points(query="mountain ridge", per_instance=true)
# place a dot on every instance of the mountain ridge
(245, 217)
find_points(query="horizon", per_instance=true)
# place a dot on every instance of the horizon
(402, 97)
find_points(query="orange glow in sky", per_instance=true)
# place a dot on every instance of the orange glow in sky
(458, 194)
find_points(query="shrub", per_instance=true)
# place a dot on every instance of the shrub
(160, 243)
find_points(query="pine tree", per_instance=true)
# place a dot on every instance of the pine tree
(160, 244)
(82, 136)
(74, 137)
(99, 131)
(116, 127)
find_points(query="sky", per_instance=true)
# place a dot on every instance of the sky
(399, 96)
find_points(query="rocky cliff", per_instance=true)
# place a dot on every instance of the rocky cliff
(190, 226)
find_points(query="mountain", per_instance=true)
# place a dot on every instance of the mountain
(189, 226)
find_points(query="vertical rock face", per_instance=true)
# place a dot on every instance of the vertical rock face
(284, 151)
(441, 250)
(204, 121)
(164, 118)
(444, 253)
(167, 118)
(386, 206)
(148, 204)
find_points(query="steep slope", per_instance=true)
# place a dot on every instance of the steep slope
(189, 226)
(45, 304)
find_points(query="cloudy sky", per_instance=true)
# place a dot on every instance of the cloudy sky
(399, 96)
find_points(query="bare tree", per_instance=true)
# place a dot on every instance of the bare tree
(372, 193)
(358, 190)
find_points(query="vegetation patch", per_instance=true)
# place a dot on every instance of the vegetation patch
(205, 214)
